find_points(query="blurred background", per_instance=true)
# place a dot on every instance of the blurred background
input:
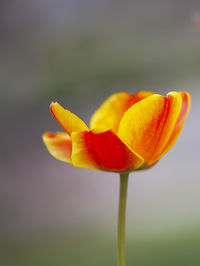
(78, 53)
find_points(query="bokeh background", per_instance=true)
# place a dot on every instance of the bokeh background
(77, 53)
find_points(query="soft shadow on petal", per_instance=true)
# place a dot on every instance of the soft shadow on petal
(103, 151)
(69, 121)
(109, 114)
(140, 95)
(59, 145)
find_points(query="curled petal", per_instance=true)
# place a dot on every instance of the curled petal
(186, 102)
(147, 126)
(103, 151)
(59, 145)
(69, 121)
(185, 107)
(169, 120)
(109, 114)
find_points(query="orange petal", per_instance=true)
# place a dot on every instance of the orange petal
(140, 95)
(109, 114)
(103, 151)
(69, 121)
(147, 126)
(172, 112)
(186, 102)
(59, 145)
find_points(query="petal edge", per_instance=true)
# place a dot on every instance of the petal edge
(69, 121)
(59, 145)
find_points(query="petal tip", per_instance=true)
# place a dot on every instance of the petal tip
(53, 104)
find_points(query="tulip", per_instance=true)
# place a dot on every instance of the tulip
(127, 133)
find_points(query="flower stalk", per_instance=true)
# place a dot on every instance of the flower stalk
(122, 218)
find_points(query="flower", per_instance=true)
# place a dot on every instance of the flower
(127, 133)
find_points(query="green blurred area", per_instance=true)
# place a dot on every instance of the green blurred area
(93, 249)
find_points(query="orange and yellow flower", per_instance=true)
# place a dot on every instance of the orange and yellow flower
(127, 132)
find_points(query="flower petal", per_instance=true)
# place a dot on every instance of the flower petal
(147, 126)
(109, 114)
(186, 102)
(140, 95)
(69, 121)
(103, 151)
(169, 120)
(59, 145)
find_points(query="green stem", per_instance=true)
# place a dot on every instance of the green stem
(122, 218)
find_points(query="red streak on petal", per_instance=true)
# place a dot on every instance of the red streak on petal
(183, 112)
(107, 150)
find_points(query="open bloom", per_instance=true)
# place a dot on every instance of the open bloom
(127, 132)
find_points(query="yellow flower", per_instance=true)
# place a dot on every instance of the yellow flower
(126, 132)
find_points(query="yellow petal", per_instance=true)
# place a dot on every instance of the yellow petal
(109, 114)
(103, 151)
(69, 121)
(185, 107)
(169, 120)
(147, 126)
(59, 145)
